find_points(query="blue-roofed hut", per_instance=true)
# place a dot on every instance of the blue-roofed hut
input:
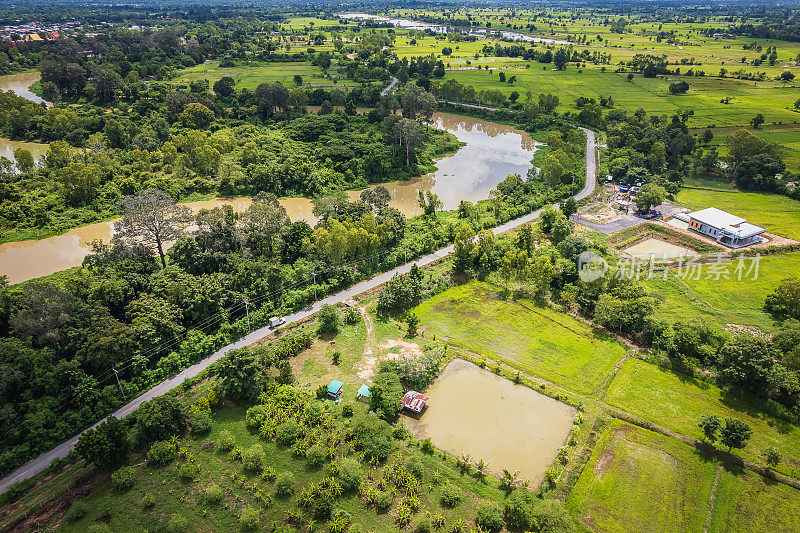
(363, 391)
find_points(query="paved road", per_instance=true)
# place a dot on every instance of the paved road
(40, 463)
(390, 87)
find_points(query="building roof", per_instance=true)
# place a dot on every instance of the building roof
(335, 386)
(363, 390)
(716, 217)
(726, 222)
(414, 400)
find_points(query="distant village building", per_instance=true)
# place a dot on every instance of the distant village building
(725, 228)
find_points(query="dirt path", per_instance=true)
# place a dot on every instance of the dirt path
(712, 499)
(369, 345)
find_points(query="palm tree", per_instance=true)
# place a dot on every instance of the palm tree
(464, 462)
(510, 480)
(481, 467)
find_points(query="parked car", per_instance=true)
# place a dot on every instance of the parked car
(276, 321)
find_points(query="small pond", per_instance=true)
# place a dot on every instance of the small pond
(510, 426)
(658, 250)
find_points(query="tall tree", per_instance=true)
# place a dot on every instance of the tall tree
(107, 446)
(734, 434)
(151, 216)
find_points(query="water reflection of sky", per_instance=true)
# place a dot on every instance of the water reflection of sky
(487, 158)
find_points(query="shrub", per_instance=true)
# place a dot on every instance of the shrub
(519, 510)
(313, 413)
(423, 524)
(415, 467)
(427, 447)
(213, 494)
(328, 320)
(284, 484)
(248, 519)
(316, 455)
(122, 479)
(253, 459)
(450, 496)
(76, 511)
(236, 454)
(269, 474)
(200, 423)
(347, 411)
(99, 528)
(552, 516)
(226, 441)
(189, 471)
(383, 499)
(322, 392)
(256, 416)
(148, 501)
(177, 524)
(287, 432)
(161, 453)
(490, 516)
(350, 474)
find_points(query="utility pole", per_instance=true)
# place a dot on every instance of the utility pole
(315, 284)
(247, 310)
(116, 374)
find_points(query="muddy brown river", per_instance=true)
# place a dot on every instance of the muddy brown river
(492, 151)
(510, 426)
(19, 84)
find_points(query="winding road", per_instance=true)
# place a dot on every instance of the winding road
(390, 87)
(38, 464)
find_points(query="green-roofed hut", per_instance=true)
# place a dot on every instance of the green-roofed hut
(363, 391)
(335, 389)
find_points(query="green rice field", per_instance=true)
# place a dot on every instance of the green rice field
(552, 345)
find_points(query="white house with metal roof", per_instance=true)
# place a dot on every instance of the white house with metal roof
(727, 229)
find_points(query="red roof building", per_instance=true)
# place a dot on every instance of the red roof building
(414, 401)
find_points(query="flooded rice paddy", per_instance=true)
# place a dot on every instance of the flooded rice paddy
(510, 426)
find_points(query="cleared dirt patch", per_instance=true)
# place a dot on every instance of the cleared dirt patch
(401, 350)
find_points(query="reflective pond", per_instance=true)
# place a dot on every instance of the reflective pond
(510, 426)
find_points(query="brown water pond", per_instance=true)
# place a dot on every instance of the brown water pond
(510, 426)
(492, 151)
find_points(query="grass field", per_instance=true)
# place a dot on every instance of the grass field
(677, 402)
(777, 214)
(550, 344)
(650, 94)
(749, 503)
(250, 77)
(726, 301)
(637, 480)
